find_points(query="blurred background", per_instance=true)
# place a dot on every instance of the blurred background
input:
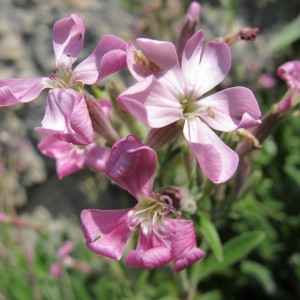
(42, 212)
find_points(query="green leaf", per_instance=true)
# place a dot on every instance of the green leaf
(212, 295)
(234, 250)
(212, 237)
(262, 275)
(286, 36)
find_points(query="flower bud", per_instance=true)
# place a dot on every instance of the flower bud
(158, 137)
(101, 124)
(179, 195)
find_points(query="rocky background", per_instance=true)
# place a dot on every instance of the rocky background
(27, 178)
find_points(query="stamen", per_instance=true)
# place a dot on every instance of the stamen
(184, 104)
(210, 112)
(146, 63)
(79, 82)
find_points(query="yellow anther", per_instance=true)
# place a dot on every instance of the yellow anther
(210, 112)
(147, 64)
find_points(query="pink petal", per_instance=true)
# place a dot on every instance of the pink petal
(96, 157)
(191, 55)
(108, 57)
(152, 103)
(14, 91)
(183, 243)
(229, 104)
(217, 161)
(65, 249)
(201, 75)
(151, 252)
(69, 158)
(67, 117)
(132, 166)
(161, 53)
(55, 270)
(68, 40)
(106, 106)
(290, 72)
(106, 231)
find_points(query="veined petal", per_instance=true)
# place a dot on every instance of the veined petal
(108, 57)
(227, 106)
(69, 158)
(214, 64)
(132, 166)
(183, 243)
(106, 231)
(191, 56)
(96, 157)
(151, 252)
(14, 90)
(217, 161)
(68, 40)
(67, 117)
(152, 103)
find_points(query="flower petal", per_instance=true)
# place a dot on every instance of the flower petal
(217, 161)
(151, 252)
(132, 166)
(14, 90)
(108, 57)
(290, 72)
(69, 158)
(68, 40)
(106, 231)
(96, 157)
(229, 104)
(152, 103)
(183, 243)
(202, 73)
(67, 117)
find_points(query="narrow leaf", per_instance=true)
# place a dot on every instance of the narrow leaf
(212, 237)
(286, 36)
(234, 250)
(261, 274)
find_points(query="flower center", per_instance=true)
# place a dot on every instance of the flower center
(64, 78)
(149, 212)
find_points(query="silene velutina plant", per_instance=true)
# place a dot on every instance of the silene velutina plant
(175, 92)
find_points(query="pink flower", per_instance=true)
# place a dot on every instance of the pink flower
(63, 256)
(71, 158)
(67, 115)
(170, 91)
(290, 72)
(161, 239)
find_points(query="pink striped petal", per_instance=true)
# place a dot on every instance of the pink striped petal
(67, 117)
(203, 71)
(132, 166)
(183, 243)
(151, 252)
(14, 90)
(108, 57)
(150, 102)
(69, 158)
(68, 40)
(106, 231)
(228, 106)
(217, 161)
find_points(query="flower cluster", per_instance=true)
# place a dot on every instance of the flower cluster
(175, 91)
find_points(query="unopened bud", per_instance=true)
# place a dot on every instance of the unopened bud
(245, 34)
(189, 26)
(101, 124)
(158, 137)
